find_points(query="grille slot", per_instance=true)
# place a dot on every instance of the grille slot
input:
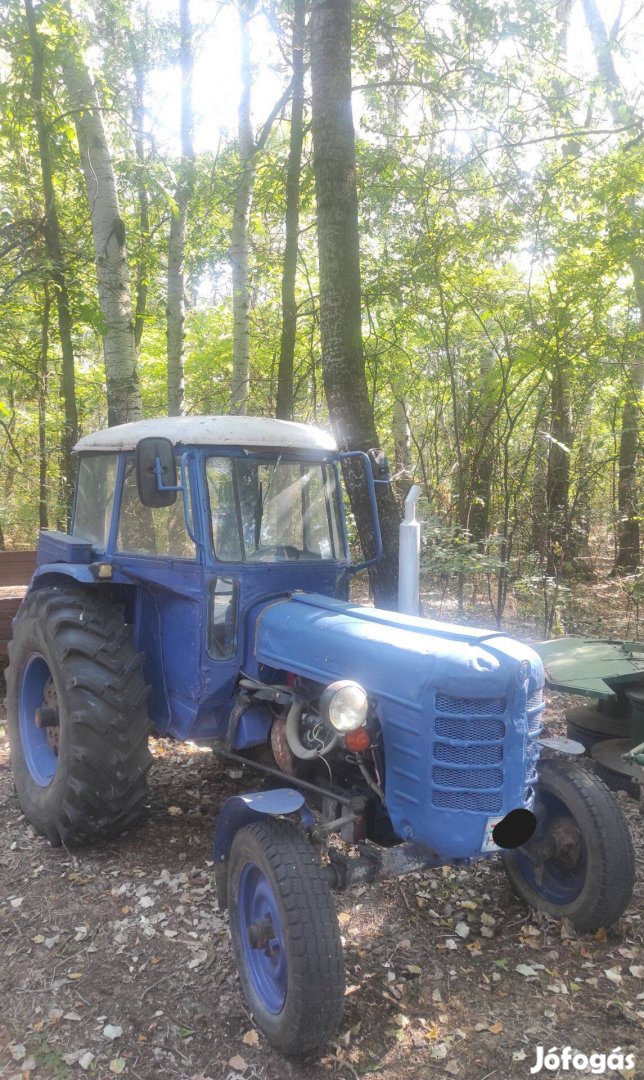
(470, 706)
(462, 730)
(484, 802)
(535, 699)
(467, 778)
(468, 755)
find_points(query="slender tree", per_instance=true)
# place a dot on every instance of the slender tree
(284, 407)
(628, 495)
(343, 362)
(110, 249)
(177, 240)
(57, 268)
(241, 216)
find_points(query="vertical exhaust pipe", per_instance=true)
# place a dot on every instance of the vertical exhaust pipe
(409, 557)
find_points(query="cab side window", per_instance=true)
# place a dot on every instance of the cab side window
(95, 486)
(145, 530)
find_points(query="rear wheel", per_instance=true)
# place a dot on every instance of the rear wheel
(285, 935)
(78, 723)
(580, 861)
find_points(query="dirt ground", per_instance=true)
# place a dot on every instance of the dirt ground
(115, 960)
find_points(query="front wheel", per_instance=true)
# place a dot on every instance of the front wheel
(580, 862)
(285, 936)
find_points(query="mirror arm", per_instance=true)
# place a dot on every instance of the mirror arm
(158, 472)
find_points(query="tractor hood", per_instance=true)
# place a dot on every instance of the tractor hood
(459, 710)
(396, 657)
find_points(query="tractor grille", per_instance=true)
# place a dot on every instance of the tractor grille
(464, 764)
(534, 706)
(470, 706)
(467, 800)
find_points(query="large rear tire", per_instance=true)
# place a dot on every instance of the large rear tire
(580, 862)
(77, 718)
(285, 936)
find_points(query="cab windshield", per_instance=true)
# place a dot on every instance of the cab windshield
(273, 510)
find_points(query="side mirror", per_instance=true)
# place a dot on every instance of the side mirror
(156, 472)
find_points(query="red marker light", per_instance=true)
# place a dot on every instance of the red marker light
(357, 741)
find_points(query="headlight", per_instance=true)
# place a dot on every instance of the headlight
(345, 705)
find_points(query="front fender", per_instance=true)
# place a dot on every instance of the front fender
(241, 810)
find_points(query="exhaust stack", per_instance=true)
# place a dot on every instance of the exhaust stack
(409, 557)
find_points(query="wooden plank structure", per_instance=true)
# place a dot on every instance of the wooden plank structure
(16, 568)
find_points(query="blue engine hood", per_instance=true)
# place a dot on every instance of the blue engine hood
(399, 657)
(458, 717)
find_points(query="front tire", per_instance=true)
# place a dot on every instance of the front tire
(77, 719)
(285, 936)
(580, 862)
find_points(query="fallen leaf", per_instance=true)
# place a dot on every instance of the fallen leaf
(519, 1055)
(71, 1016)
(439, 1051)
(529, 970)
(175, 811)
(637, 971)
(601, 935)
(17, 1051)
(462, 929)
(86, 1060)
(112, 1031)
(17, 901)
(74, 975)
(413, 969)
(344, 918)
(251, 1038)
(117, 1065)
(237, 1062)
(451, 944)
(614, 974)
(496, 1028)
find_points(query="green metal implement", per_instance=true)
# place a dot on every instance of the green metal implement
(609, 671)
(590, 667)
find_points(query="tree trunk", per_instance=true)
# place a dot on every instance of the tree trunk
(177, 241)
(142, 265)
(558, 479)
(284, 407)
(483, 459)
(628, 496)
(339, 260)
(108, 230)
(42, 374)
(239, 237)
(54, 244)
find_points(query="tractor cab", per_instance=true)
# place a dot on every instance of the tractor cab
(196, 522)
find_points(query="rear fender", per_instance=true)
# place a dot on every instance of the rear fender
(241, 810)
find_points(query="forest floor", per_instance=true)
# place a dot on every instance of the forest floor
(115, 960)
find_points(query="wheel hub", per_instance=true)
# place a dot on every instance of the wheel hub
(46, 716)
(261, 933)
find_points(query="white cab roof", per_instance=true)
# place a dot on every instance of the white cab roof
(247, 431)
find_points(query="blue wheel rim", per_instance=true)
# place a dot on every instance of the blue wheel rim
(266, 966)
(560, 884)
(40, 757)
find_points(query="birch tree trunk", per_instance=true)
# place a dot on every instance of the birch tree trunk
(628, 495)
(176, 310)
(284, 407)
(340, 294)
(239, 237)
(54, 245)
(142, 263)
(108, 231)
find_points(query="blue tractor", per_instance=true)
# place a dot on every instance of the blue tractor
(202, 594)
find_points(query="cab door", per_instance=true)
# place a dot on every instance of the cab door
(152, 549)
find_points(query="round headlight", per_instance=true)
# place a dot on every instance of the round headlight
(345, 705)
